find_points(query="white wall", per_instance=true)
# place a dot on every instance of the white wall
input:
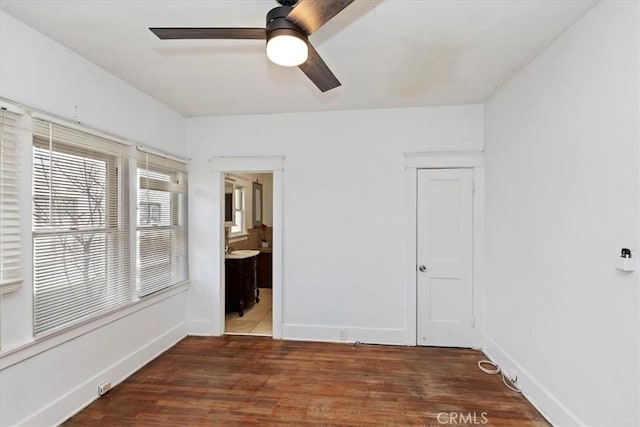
(41, 73)
(344, 200)
(562, 186)
(41, 384)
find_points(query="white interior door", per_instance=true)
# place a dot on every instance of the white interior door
(445, 264)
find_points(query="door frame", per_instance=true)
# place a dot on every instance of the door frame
(443, 160)
(258, 164)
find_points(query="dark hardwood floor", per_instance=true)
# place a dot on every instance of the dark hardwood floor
(241, 380)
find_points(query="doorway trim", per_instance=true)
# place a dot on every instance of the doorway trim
(257, 164)
(438, 160)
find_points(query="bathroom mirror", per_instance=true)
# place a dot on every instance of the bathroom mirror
(228, 202)
(257, 204)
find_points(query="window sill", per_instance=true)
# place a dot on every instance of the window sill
(15, 355)
(238, 238)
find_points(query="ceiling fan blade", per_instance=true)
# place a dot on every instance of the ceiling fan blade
(316, 69)
(313, 14)
(210, 33)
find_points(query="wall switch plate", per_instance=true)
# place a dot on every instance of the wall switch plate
(342, 334)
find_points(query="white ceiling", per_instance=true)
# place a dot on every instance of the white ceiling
(393, 53)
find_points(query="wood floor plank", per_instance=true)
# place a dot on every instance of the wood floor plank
(240, 380)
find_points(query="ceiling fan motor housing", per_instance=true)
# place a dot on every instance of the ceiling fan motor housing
(287, 34)
(278, 25)
(287, 2)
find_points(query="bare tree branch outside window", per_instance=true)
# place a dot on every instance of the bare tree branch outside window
(72, 203)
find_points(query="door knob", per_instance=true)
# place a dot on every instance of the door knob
(422, 268)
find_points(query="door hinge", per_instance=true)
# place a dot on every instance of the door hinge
(473, 187)
(473, 321)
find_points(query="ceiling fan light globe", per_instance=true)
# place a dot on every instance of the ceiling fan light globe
(287, 50)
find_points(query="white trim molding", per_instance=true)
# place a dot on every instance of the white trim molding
(444, 159)
(15, 355)
(325, 333)
(437, 160)
(247, 164)
(258, 164)
(151, 150)
(73, 401)
(539, 396)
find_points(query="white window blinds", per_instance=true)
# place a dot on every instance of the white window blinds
(162, 223)
(239, 217)
(10, 248)
(81, 226)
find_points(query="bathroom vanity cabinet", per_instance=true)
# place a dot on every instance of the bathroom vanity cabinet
(265, 260)
(241, 284)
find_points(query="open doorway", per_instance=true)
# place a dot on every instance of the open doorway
(248, 239)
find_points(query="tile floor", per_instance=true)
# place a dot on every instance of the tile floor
(256, 320)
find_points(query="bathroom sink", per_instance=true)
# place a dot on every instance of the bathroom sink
(242, 253)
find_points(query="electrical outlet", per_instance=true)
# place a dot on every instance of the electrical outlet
(342, 334)
(104, 387)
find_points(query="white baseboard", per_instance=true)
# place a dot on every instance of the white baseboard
(70, 403)
(200, 328)
(548, 405)
(332, 334)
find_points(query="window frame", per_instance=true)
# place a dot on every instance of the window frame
(114, 228)
(175, 186)
(76, 139)
(239, 212)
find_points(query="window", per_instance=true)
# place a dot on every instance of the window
(162, 231)
(87, 260)
(81, 243)
(239, 221)
(150, 213)
(10, 248)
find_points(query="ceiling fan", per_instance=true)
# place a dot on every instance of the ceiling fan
(287, 30)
